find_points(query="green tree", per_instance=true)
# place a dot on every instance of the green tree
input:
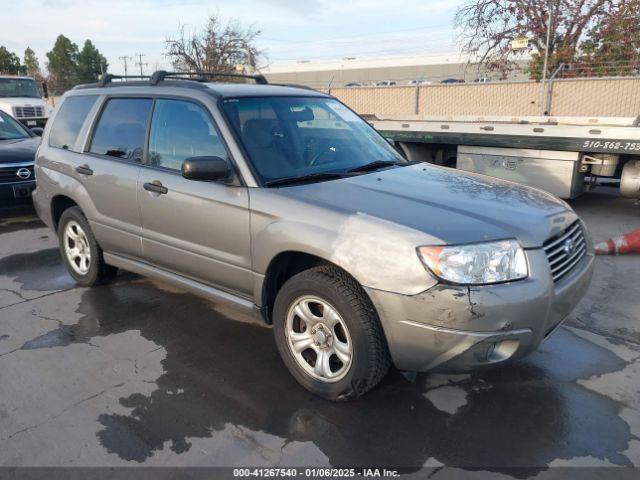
(612, 47)
(9, 62)
(577, 27)
(91, 63)
(32, 65)
(63, 65)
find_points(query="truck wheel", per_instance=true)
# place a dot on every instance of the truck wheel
(329, 335)
(80, 252)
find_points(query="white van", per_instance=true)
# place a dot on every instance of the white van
(21, 98)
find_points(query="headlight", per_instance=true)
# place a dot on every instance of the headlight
(477, 264)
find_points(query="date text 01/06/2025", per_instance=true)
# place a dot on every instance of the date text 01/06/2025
(314, 472)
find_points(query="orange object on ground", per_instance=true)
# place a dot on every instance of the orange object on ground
(627, 243)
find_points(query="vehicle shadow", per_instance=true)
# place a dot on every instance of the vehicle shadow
(218, 371)
(20, 217)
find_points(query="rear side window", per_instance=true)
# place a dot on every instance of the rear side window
(121, 130)
(68, 122)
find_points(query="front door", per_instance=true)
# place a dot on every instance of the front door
(193, 228)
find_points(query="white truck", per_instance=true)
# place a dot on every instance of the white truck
(21, 98)
(563, 155)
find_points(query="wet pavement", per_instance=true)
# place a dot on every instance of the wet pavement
(138, 373)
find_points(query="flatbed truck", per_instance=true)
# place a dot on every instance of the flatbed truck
(563, 155)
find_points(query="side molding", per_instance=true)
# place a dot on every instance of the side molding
(192, 286)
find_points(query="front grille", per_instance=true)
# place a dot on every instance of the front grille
(565, 250)
(10, 174)
(28, 112)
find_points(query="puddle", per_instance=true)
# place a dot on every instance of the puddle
(218, 371)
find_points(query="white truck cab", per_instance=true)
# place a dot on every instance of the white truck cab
(21, 98)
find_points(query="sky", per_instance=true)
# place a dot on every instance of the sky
(292, 30)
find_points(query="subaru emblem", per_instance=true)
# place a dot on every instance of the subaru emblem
(24, 173)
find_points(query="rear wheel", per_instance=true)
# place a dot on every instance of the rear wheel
(329, 335)
(80, 251)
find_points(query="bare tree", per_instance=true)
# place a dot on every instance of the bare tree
(487, 28)
(218, 47)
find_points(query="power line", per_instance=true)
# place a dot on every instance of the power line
(140, 63)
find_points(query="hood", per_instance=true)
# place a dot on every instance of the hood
(453, 206)
(18, 151)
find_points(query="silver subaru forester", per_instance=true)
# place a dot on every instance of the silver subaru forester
(284, 202)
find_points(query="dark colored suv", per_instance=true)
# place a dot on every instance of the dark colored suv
(18, 147)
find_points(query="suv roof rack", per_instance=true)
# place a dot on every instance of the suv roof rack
(161, 75)
(108, 77)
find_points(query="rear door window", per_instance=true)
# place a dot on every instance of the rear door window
(121, 129)
(69, 120)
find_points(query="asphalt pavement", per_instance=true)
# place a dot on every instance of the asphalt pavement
(139, 373)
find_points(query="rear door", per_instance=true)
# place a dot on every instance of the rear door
(109, 171)
(193, 228)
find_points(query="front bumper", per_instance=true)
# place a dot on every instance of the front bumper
(458, 328)
(16, 193)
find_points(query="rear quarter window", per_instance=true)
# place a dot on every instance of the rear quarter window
(69, 120)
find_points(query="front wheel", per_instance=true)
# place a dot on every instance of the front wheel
(329, 335)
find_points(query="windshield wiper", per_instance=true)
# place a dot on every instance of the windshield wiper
(318, 176)
(408, 163)
(367, 167)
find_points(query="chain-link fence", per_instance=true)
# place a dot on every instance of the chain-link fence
(579, 97)
(585, 97)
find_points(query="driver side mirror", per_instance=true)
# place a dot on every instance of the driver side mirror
(37, 131)
(206, 169)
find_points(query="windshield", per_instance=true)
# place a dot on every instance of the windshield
(18, 87)
(288, 137)
(10, 129)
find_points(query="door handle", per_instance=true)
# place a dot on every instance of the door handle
(155, 187)
(84, 170)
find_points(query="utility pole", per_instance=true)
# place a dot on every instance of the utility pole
(546, 51)
(546, 48)
(140, 64)
(125, 60)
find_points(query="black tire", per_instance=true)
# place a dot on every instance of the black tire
(370, 357)
(98, 272)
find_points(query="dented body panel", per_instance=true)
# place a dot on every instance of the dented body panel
(446, 325)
